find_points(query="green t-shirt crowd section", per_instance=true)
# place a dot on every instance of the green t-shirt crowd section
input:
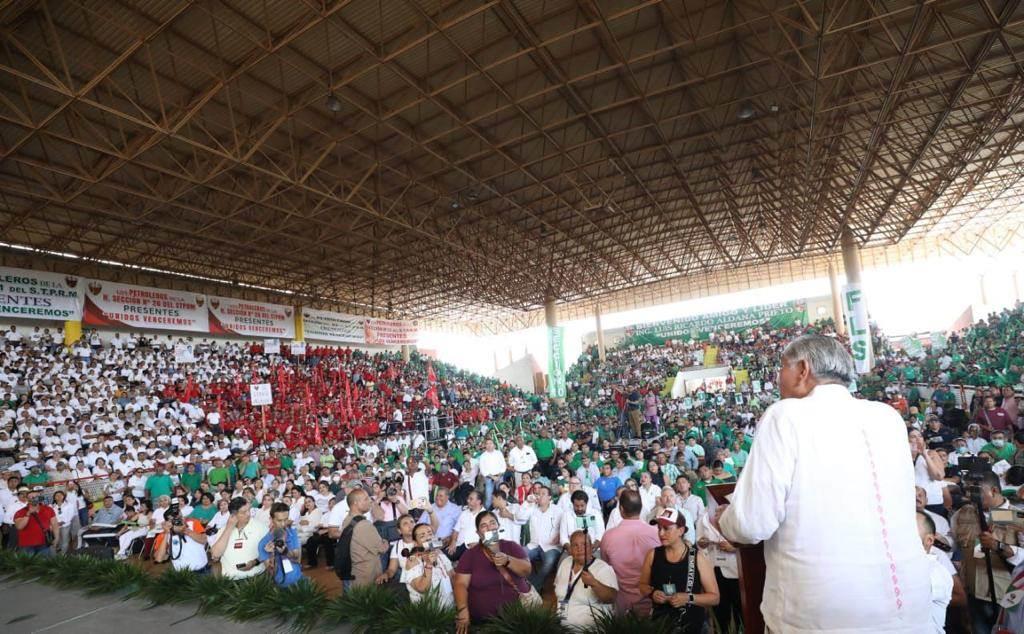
(125, 435)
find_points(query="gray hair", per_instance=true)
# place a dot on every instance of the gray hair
(828, 359)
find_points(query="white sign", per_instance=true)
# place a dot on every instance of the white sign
(328, 326)
(298, 347)
(390, 332)
(255, 319)
(35, 295)
(260, 394)
(183, 353)
(857, 327)
(120, 305)
(271, 346)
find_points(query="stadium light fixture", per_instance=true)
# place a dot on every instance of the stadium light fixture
(333, 103)
(746, 111)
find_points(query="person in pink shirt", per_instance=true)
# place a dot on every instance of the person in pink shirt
(625, 547)
(1011, 407)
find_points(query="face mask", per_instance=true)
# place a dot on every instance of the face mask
(961, 450)
(998, 443)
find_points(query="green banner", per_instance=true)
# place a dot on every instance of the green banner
(699, 327)
(556, 362)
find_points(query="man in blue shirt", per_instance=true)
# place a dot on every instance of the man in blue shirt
(442, 515)
(607, 485)
(281, 544)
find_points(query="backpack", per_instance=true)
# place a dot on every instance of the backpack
(343, 550)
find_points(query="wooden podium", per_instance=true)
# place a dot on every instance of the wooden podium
(750, 560)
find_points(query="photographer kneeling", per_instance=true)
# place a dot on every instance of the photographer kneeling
(280, 548)
(183, 541)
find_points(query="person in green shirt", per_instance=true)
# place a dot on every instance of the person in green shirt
(159, 483)
(206, 509)
(219, 474)
(998, 448)
(191, 479)
(287, 463)
(248, 469)
(700, 487)
(544, 447)
(36, 477)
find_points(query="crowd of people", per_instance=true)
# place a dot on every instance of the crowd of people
(435, 482)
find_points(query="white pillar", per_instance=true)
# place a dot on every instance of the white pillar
(837, 302)
(859, 331)
(600, 333)
(406, 353)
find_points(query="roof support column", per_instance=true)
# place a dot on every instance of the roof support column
(837, 302)
(859, 329)
(600, 333)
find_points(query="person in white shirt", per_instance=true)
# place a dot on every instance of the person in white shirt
(649, 494)
(728, 612)
(237, 544)
(686, 500)
(522, 459)
(507, 513)
(779, 499)
(416, 484)
(545, 520)
(492, 468)
(580, 512)
(585, 587)
(429, 569)
(940, 581)
(465, 535)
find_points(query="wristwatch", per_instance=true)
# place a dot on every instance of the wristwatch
(689, 598)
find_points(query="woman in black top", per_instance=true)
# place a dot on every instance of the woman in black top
(679, 579)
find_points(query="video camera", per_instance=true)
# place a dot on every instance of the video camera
(173, 515)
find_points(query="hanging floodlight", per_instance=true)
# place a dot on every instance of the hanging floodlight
(333, 103)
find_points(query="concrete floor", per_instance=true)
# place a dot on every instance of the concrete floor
(33, 607)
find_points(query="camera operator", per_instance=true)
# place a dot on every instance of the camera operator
(1000, 544)
(388, 506)
(37, 526)
(428, 567)
(280, 547)
(183, 541)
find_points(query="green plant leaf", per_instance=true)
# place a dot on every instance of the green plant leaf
(629, 623)
(426, 616)
(515, 618)
(363, 607)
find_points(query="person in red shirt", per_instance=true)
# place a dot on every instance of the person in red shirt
(37, 526)
(992, 418)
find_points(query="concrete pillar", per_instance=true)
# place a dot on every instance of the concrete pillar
(406, 353)
(495, 360)
(837, 299)
(860, 330)
(1016, 288)
(851, 258)
(600, 333)
(981, 286)
(550, 311)
(556, 389)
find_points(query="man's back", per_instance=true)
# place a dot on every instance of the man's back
(625, 547)
(829, 486)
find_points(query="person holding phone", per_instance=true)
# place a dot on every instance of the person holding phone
(237, 546)
(37, 525)
(489, 575)
(678, 578)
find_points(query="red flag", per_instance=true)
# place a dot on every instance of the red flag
(431, 377)
(432, 396)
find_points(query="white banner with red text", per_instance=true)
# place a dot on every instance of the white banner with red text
(390, 332)
(126, 305)
(254, 319)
